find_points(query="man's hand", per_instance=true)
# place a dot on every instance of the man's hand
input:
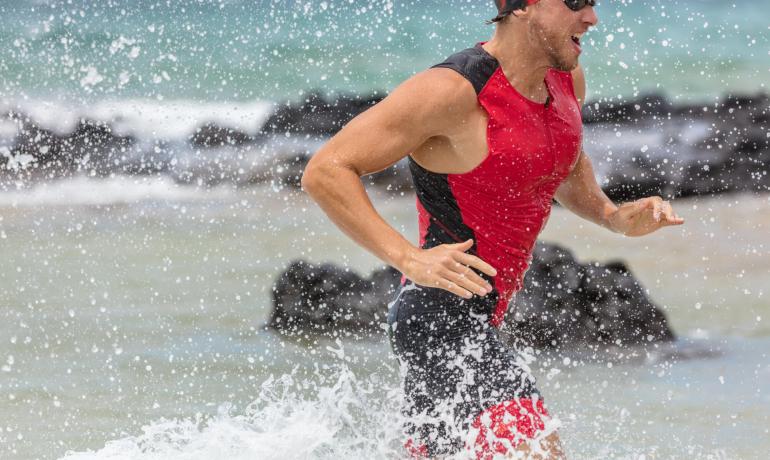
(448, 267)
(643, 216)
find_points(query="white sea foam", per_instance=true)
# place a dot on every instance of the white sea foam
(346, 419)
(146, 118)
(84, 191)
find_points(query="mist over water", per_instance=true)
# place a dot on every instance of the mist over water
(132, 307)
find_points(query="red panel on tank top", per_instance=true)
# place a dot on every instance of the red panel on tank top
(506, 200)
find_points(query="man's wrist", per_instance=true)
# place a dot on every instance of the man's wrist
(403, 257)
(610, 210)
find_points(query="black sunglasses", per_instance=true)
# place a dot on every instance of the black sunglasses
(574, 5)
(506, 7)
(577, 5)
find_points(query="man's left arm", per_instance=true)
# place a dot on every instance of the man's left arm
(581, 194)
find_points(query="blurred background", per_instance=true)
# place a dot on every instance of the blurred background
(149, 160)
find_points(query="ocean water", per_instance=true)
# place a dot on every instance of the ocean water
(132, 308)
(132, 329)
(269, 50)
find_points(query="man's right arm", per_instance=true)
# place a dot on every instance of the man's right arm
(429, 104)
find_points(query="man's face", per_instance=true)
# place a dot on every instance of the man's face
(556, 30)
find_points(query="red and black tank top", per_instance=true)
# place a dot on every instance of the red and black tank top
(505, 201)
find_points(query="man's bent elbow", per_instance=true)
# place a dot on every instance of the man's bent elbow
(311, 177)
(317, 176)
(322, 172)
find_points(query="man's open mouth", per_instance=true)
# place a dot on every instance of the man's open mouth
(576, 38)
(576, 41)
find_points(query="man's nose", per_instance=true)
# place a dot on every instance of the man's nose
(589, 16)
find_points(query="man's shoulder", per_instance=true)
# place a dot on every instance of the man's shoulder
(439, 89)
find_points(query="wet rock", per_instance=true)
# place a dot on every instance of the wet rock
(694, 150)
(640, 147)
(153, 160)
(394, 179)
(91, 148)
(316, 115)
(285, 169)
(626, 111)
(212, 135)
(42, 145)
(326, 299)
(564, 303)
(97, 149)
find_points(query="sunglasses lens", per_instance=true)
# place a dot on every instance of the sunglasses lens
(577, 5)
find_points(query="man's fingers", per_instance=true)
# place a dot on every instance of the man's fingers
(475, 262)
(464, 246)
(676, 221)
(466, 282)
(657, 208)
(467, 272)
(670, 215)
(668, 211)
(453, 288)
(634, 209)
(642, 205)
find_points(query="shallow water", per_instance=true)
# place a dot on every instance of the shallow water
(119, 316)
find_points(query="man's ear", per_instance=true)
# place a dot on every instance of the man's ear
(521, 12)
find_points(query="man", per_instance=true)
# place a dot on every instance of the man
(493, 134)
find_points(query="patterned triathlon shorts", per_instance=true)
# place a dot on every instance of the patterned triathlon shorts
(464, 389)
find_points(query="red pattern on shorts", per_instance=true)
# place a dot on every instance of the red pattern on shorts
(419, 452)
(514, 421)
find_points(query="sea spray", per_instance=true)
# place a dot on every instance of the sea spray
(335, 414)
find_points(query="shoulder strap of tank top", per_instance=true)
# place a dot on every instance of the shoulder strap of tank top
(475, 64)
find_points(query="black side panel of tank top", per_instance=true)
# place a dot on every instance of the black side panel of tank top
(475, 64)
(435, 195)
(433, 190)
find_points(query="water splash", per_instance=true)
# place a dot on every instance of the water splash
(341, 416)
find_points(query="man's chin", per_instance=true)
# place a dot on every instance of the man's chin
(565, 65)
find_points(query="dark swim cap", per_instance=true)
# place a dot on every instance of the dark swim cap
(506, 6)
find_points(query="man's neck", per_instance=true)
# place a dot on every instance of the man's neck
(524, 67)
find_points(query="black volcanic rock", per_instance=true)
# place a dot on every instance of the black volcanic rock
(285, 169)
(626, 111)
(326, 299)
(44, 146)
(212, 135)
(317, 115)
(95, 146)
(640, 147)
(394, 179)
(696, 150)
(92, 148)
(564, 303)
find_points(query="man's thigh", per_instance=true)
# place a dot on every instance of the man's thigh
(548, 448)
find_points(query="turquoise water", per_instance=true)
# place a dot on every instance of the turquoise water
(275, 49)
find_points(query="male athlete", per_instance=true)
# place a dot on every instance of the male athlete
(493, 134)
